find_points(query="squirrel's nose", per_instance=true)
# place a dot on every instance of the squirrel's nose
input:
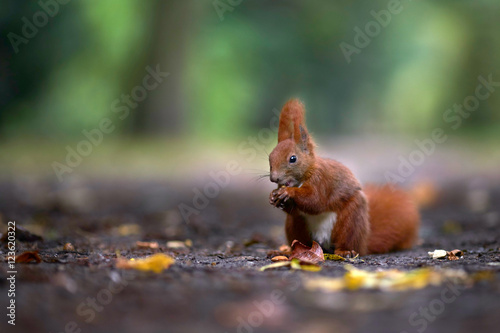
(274, 178)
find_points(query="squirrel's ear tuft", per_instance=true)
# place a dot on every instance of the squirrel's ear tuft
(304, 138)
(304, 141)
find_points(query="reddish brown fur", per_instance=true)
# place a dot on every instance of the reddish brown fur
(384, 220)
(394, 219)
(291, 117)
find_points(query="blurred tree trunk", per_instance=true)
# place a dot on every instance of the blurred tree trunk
(163, 112)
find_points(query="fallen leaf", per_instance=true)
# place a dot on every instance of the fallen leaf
(455, 254)
(128, 229)
(29, 256)
(306, 254)
(484, 276)
(438, 254)
(176, 244)
(155, 263)
(275, 265)
(279, 258)
(388, 280)
(300, 265)
(293, 264)
(443, 254)
(329, 256)
(458, 253)
(147, 245)
(285, 250)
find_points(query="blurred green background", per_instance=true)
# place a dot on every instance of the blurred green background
(230, 63)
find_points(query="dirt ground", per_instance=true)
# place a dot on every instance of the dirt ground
(215, 284)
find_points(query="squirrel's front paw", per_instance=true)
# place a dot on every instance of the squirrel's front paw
(346, 253)
(279, 197)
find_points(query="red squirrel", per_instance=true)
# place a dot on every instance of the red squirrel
(325, 202)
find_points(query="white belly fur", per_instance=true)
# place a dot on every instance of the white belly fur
(321, 226)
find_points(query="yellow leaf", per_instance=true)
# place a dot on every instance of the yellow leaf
(296, 264)
(275, 265)
(155, 263)
(388, 280)
(309, 268)
(128, 229)
(356, 278)
(329, 256)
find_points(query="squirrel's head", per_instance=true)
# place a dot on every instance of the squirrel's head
(292, 159)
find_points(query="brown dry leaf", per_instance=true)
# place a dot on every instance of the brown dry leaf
(68, 247)
(279, 258)
(147, 245)
(29, 256)
(285, 250)
(455, 254)
(155, 263)
(306, 254)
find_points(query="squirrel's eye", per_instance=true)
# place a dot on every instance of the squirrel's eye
(293, 159)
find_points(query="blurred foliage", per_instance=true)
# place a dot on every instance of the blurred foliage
(227, 75)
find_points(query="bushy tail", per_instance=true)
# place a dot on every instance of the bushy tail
(394, 219)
